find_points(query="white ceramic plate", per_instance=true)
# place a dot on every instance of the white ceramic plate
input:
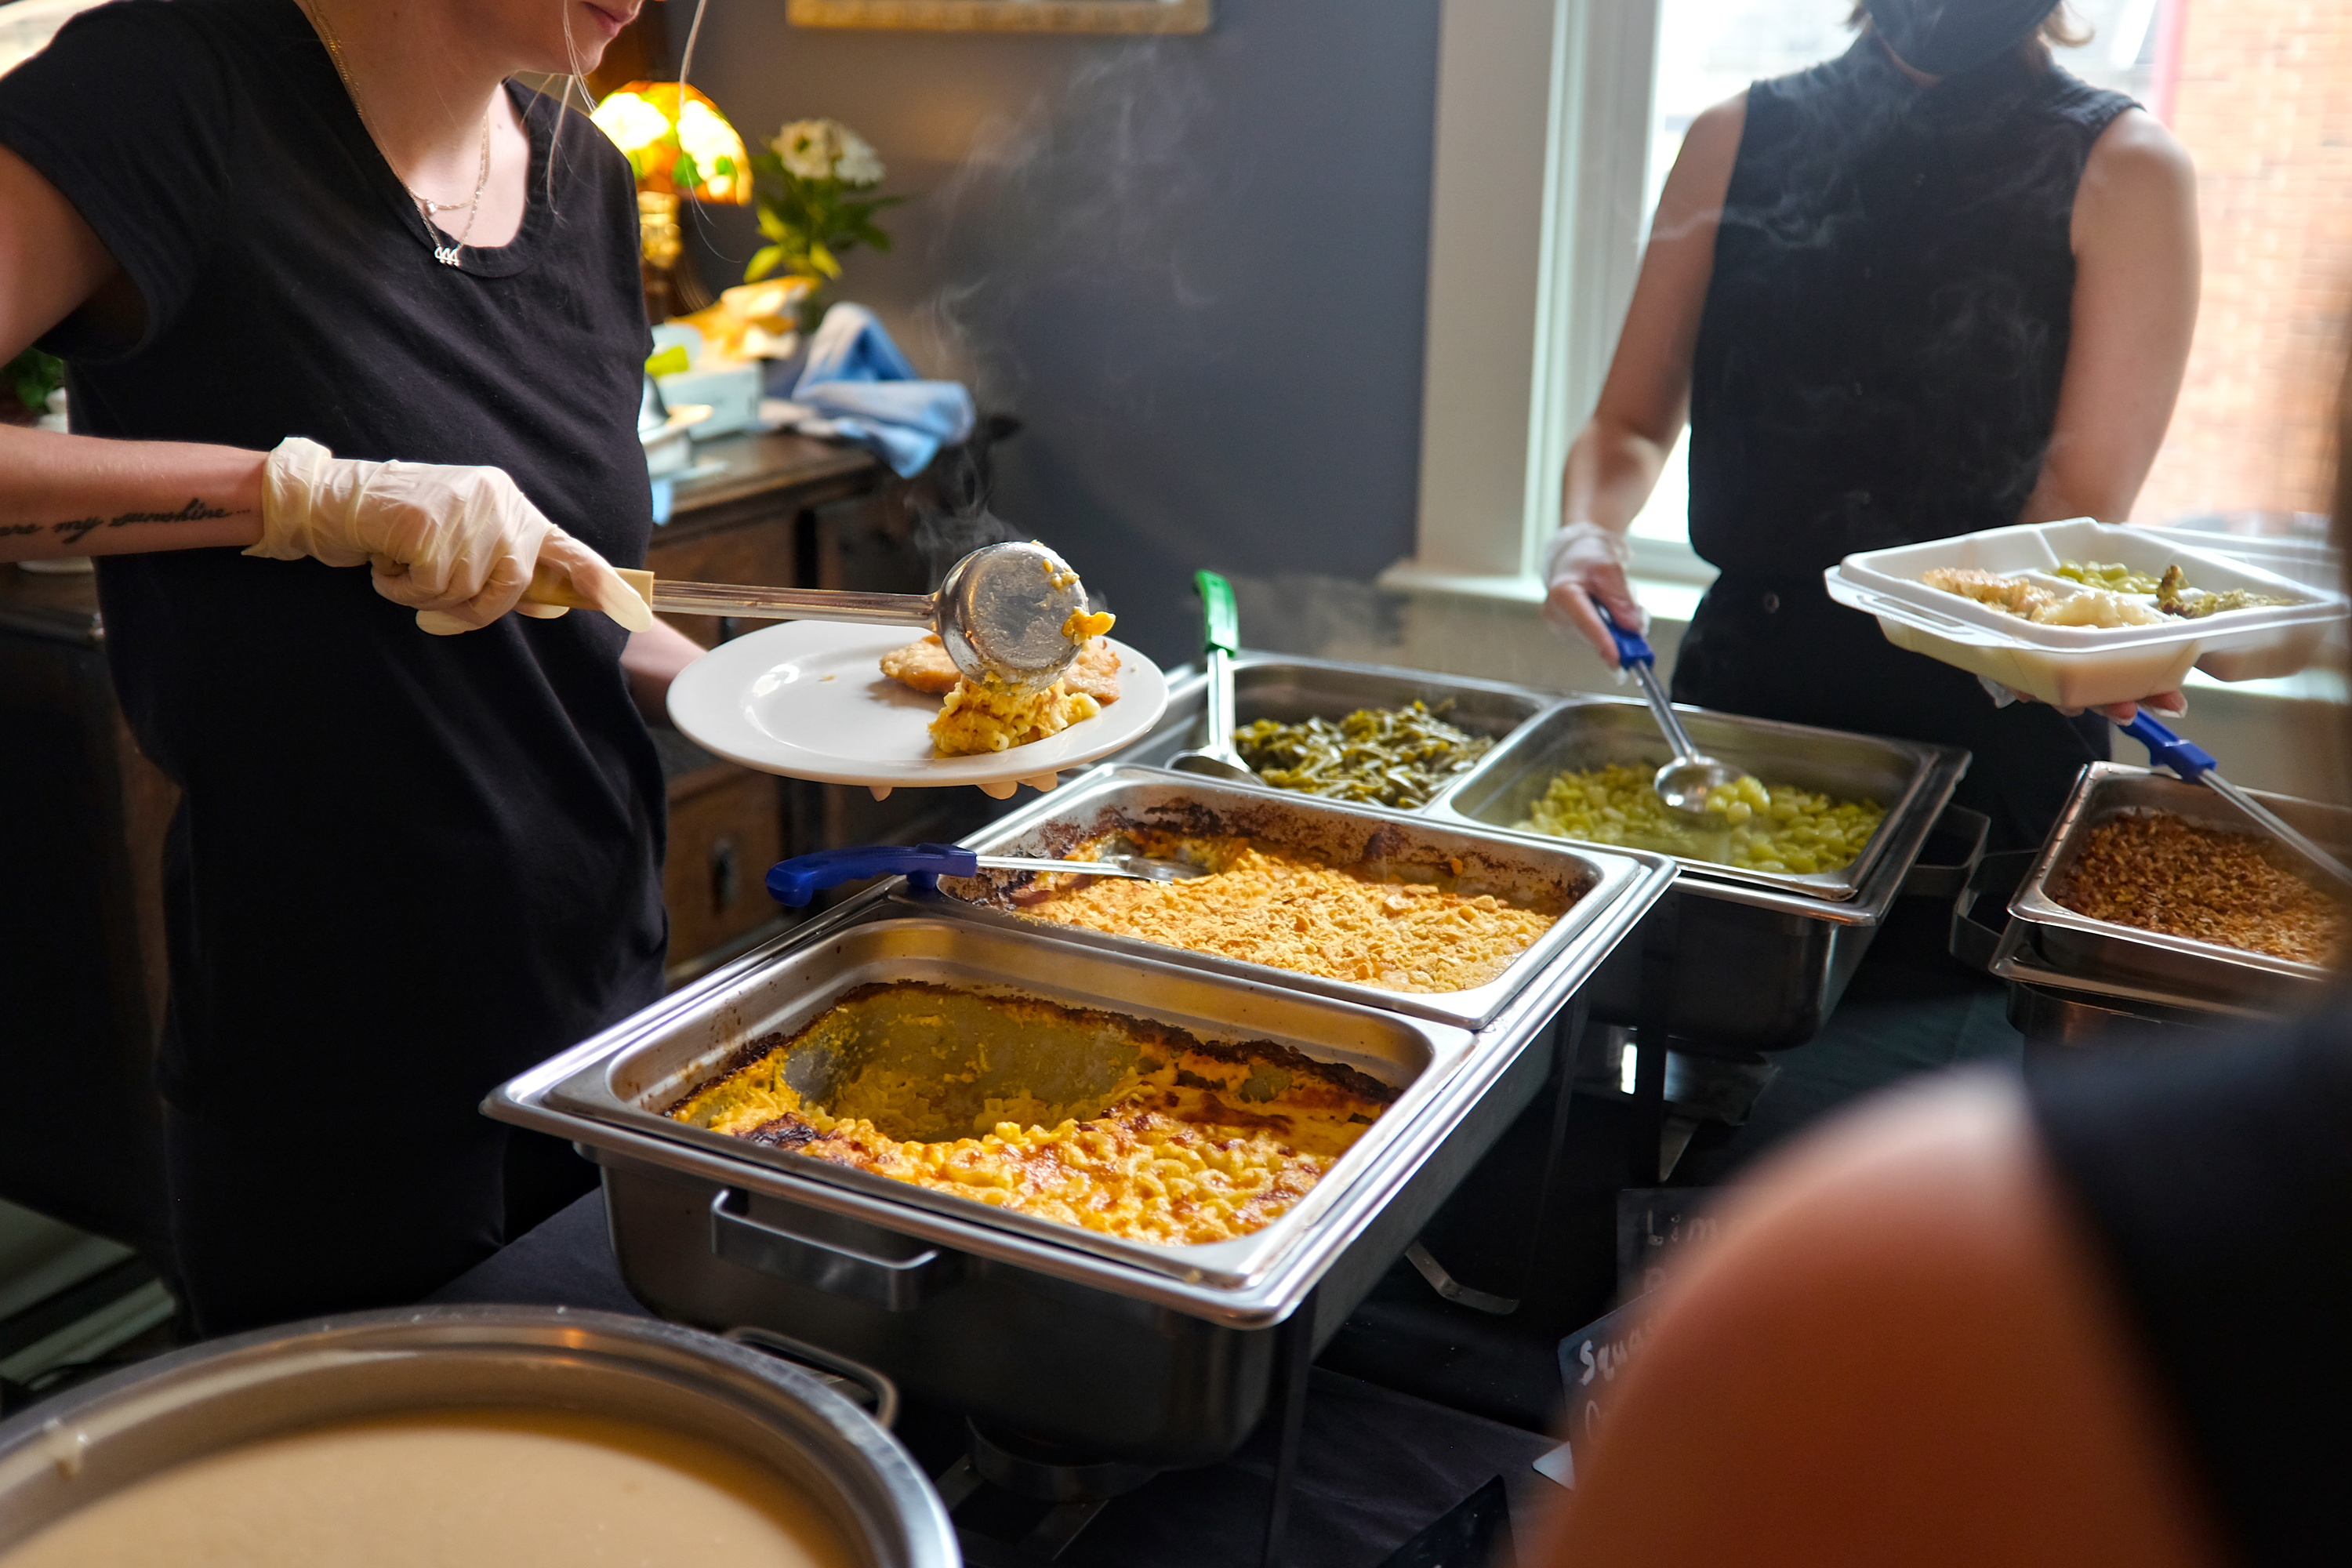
(807, 699)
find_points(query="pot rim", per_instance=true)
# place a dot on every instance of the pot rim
(903, 1523)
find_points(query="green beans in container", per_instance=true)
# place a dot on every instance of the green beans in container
(1398, 757)
(1750, 825)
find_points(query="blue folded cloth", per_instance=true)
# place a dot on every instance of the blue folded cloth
(855, 385)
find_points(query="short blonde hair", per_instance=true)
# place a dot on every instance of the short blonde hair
(2061, 27)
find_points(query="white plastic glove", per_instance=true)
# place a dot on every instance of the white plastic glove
(456, 544)
(1585, 563)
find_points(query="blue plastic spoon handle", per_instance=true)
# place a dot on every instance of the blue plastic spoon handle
(794, 882)
(2167, 749)
(2196, 765)
(1632, 648)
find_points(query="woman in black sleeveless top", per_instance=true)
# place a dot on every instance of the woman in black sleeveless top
(1898, 299)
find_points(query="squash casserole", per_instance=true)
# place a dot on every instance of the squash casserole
(1119, 1125)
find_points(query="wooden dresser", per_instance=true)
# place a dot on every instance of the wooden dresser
(82, 965)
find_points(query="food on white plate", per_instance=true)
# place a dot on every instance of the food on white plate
(1097, 672)
(978, 719)
(924, 665)
(2043, 606)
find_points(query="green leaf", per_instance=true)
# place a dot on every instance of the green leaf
(822, 259)
(764, 261)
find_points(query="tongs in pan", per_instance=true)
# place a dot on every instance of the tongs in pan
(2194, 763)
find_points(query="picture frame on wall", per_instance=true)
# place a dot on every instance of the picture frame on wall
(1005, 15)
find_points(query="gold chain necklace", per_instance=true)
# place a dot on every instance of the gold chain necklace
(447, 255)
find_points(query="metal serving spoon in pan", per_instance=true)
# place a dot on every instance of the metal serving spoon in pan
(796, 882)
(1686, 782)
(1016, 612)
(2195, 763)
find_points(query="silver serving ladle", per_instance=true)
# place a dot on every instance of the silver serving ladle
(1686, 782)
(1217, 758)
(1003, 611)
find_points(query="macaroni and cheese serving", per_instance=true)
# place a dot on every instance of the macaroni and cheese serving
(1114, 1124)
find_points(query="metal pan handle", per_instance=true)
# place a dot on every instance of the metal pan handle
(875, 1382)
(893, 1284)
(1945, 878)
(1996, 877)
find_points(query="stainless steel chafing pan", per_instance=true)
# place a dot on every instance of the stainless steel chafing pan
(1120, 1356)
(2180, 969)
(635, 1086)
(1291, 690)
(1590, 879)
(1594, 732)
(1761, 959)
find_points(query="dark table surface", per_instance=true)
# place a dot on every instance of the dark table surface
(1375, 1466)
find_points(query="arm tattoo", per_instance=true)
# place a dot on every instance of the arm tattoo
(74, 528)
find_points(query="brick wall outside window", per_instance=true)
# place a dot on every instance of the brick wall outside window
(2263, 104)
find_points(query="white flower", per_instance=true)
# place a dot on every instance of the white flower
(858, 165)
(809, 147)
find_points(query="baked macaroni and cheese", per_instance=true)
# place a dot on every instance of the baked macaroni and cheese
(1114, 1124)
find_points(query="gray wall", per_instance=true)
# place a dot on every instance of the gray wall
(1193, 267)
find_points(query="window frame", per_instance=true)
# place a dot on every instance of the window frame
(1536, 219)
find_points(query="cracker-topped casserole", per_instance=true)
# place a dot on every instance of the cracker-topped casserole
(1401, 929)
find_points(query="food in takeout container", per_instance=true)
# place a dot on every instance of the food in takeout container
(1116, 1124)
(1398, 757)
(2002, 603)
(1753, 826)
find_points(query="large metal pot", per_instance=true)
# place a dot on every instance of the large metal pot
(71, 1452)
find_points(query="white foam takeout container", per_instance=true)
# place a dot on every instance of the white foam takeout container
(2079, 667)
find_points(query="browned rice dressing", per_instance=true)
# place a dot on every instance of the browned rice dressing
(2161, 873)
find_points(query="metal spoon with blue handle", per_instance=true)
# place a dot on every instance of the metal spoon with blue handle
(1686, 782)
(2194, 763)
(796, 882)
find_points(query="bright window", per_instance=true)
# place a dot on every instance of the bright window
(2254, 90)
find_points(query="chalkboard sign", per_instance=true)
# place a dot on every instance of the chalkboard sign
(1653, 1225)
(1593, 1359)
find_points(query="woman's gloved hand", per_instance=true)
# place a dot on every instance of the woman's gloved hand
(456, 544)
(1585, 565)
